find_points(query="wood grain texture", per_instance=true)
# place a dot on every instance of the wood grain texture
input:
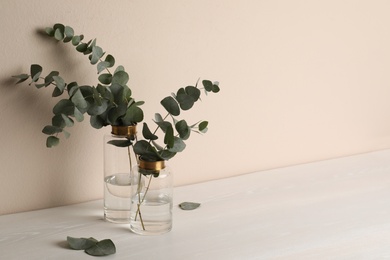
(335, 209)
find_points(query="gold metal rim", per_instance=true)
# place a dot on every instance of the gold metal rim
(153, 166)
(128, 131)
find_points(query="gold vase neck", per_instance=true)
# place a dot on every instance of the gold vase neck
(127, 131)
(152, 166)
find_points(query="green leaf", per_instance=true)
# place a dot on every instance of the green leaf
(120, 77)
(105, 78)
(96, 122)
(21, 77)
(166, 155)
(52, 141)
(79, 100)
(102, 248)
(183, 129)
(49, 78)
(134, 114)
(60, 86)
(169, 139)
(189, 205)
(185, 101)
(203, 126)
(215, 87)
(96, 109)
(59, 30)
(158, 118)
(102, 66)
(58, 121)
(68, 121)
(119, 68)
(35, 71)
(178, 145)
(50, 130)
(66, 134)
(81, 243)
(111, 60)
(193, 92)
(77, 39)
(147, 133)
(69, 33)
(78, 115)
(208, 85)
(146, 150)
(120, 143)
(64, 106)
(49, 31)
(82, 47)
(97, 53)
(170, 105)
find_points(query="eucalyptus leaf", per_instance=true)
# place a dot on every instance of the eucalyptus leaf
(147, 133)
(52, 141)
(203, 125)
(35, 71)
(78, 115)
(170, 105)
(49, 78)
(78, 99)
(183, 129)
(82, 47)
(208, 85)
(120, 143)
(133, 115)
(49, 31)
(178, 145)
(111, 60)
(69, 33)
(96, 122)
(68, 121)
(50, 130)
(59, 34)
(102, 248)
(169, 139)
(102, 66)
(97, 53)
(185, 101)
(64, 106)
(189, 205)
(105, 78)
(193, 92)
(21, 77)
(81, 243)
(76, 40)
(120, 77)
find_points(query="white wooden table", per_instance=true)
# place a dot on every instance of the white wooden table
(335, 209)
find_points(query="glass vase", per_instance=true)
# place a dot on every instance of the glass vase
(151, 203)
(119, 158)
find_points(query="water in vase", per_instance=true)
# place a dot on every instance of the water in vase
(117, 198)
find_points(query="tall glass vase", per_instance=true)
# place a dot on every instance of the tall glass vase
(119, 158)
(151, 202)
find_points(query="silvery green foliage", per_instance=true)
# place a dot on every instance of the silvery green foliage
(189, 205)
(108, 103)
(92, 246)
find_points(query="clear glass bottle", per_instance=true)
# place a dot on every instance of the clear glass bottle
(119, 159)
(151, 202)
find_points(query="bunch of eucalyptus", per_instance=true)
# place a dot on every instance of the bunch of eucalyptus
(110, 102)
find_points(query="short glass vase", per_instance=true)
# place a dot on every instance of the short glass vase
(151, 202)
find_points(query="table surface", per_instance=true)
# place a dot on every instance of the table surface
(333, 209)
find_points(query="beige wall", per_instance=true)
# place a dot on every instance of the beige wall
(301, 81)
